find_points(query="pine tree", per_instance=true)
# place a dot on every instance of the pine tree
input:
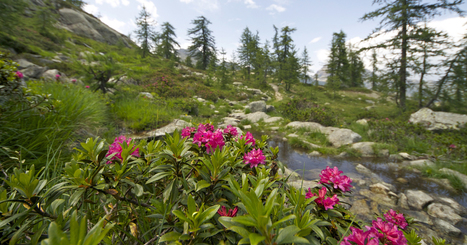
(305, 64)
(374, 72)
(248, 51)
(222, 75)
(188, 61)
(203, 43)
(145, 32)
(166, 41)
(403, 16)
(356, 68)
(338, 64)
(288, 63)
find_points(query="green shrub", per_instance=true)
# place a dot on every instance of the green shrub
(303, 110)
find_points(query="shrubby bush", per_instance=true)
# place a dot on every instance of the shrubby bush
(304, 110)
(203, 186)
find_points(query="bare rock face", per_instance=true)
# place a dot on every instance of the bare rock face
(255, 117)
(342, 137)
(157, 134)
(418, 199)
(438, 120)
(444, 212)
(366, 148)
(88, 26)
(257, 106)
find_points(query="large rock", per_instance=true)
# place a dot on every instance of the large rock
(365, 148)
(86, 25)
(157, 134)
(342, 137)
(305, 184)
(459, 209)
(444, 212)
(419, 216)
(432, 120)
(418, 199)
(33, 71)
(293, 176)
(368, 173)
(379, 198)
(312, 126)
(23, 64)
(422, 163)
(273, 119)
(50, 75)
(257, 106)
(462, 177)
(255, 117)
(270, 108)
(447, 228)
(361, 209)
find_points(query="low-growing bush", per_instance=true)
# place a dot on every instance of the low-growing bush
(304, 110)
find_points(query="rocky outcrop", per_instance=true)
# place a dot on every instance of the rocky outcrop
(257, 106)
(365, 148)
(462, 177)
(418, 199)
(438, 120)
(89, 26)
(157, 134)
(337, 136)
(255, 117)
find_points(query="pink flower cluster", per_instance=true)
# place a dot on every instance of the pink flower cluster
(116, 147)
(186, 132)
(322, 200)
(333, 176)
(19, 74)
(230, 131)
(57, 76)
(254, 158)
(249, 138)
(396, 218)
(230, 213)
(206, 136)
(382, 231)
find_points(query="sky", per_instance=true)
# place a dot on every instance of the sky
(315, 20)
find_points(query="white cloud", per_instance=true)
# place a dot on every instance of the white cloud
(322, 55)
(274, 8)
(454, 27)
(250, 4)
(282, 2)
(316, 39)
(113, 3)
(202, 5)
(114, 23)
(125, 2)
(150, 7)
(91, 9)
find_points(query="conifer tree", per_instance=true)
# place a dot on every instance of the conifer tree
(145, 32)
(356, 68)
(166, 41)
(10, 14)
(288, 63)
(45, 17)
(305, 64)
(222, 71)
(338, 64)
(374, 72)
(203, 42)
(403, 16)
(189, 61)
(248, 51)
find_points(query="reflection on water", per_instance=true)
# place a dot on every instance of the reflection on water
(309, 167)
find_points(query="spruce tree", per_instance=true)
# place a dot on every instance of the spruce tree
(166, 41)
(145, 32)
(248, 51)
(222, 71)
(288, 63)
(403, 16)
(338, 64)
(203, 43)
(305, 64)
(189, 61)
(374, 72)
(356, 68)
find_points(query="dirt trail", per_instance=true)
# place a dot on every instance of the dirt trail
(277, 93)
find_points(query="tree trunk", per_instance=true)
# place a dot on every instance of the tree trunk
(403, 69)
(420, 84)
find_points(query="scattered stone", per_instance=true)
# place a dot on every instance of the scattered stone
(383, 153)
(186, 116)
(314, 154)
(379, 198)
(257, 106)
(311, 144)
(157, 134)
(343, 137)
(447, 228)
(306, 184)
(217, 112)
(312, 126)
(395, 157)
(288, 172)
(406, 156)
(362, 122)
(402, 180)
(422, 163)
(459, 209)
(438, 120)
(361, 209)
(462, 177)
(285, 139)
(270, 108)
(418, 199)
(370, 102)
(237, 83)
(365, 148)
(380, 188)
(343, 154)
(369, 107)
(293, 136)
(146, 94)
(247, 126)
(255, 117)
(444, 212)
(443, 182)
(327, 103)
(402, 201)
(274, 128)
(212, 106)
(419, 216)
(238, 115)
(368, 173)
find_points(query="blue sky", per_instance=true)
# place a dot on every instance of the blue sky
(315, 20)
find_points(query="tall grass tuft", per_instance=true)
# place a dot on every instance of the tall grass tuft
(33, 132)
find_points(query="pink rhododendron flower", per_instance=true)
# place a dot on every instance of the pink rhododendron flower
(387, 232)
(211, 140)
(254, 157)
(73, 80)
(396, 218)
(186, 132)
(249, 138)
(360, 237)
(452, 146)
(205, 127)
(230, 130)
(87, 86)
(327, 203)
(57, 76)
(333, 176)
(231, 213)
(19, 74)
(116, 147)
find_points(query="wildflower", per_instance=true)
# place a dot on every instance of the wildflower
(205, 127)
(231, 213)
(186, 132)
(230, 130)
(396, 218)
(57, 76)
(87, 86)
(254, 157)
(249, 138)
(388, 232)
(327, 203)
(332, 176)
(360, 237)
(73, 80)
(19, 74)
(211, 140)
(116, 147)
(452, 146)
